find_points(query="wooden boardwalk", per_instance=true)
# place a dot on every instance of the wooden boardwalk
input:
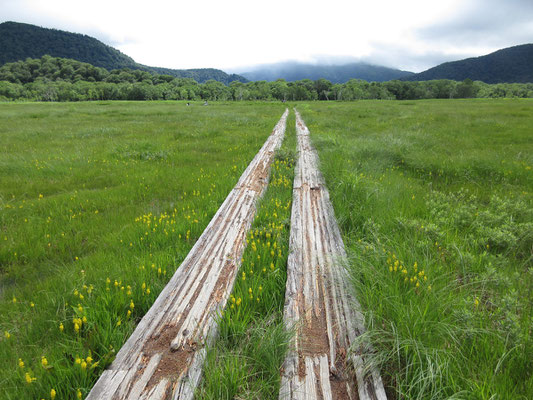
(163, 357)
(319, 304)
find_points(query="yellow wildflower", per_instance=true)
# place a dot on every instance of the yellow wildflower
(29, 378)
(44, 361)
(21, 363)
(52, 394)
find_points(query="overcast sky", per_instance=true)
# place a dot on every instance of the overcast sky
(236, 34)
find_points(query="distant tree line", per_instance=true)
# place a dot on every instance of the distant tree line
(58, 79)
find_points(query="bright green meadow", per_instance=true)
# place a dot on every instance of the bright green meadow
(101, 201)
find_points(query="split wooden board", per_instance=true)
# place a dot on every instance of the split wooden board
(163, 357)
(319, 303)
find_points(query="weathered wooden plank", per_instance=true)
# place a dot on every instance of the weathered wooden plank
(319, 303)
(163, 357)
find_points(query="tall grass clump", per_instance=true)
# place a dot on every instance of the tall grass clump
(245, 360)
(434, 200)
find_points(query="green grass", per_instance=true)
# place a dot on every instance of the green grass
(99, 204)
(245, 360)
(434, 199)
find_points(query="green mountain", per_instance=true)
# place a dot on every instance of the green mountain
(295, 71)
(21, 41)
(510, 65)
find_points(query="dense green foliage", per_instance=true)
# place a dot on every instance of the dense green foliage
(59, 79)
(19, 42)
(435, 202)
(99, 204)
(513, 64)
(294, 71)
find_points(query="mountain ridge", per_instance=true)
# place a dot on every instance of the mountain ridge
(508, 65)
(19, 41)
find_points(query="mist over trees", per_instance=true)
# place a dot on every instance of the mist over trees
(59, 79)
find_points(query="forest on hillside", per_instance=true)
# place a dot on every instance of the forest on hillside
(24, 41)
(513, 64)
(21, 41)
(59, 79)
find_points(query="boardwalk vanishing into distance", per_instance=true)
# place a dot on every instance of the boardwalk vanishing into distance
(164, 356)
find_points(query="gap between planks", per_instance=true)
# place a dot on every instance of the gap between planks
(319, 303)
(163, 357)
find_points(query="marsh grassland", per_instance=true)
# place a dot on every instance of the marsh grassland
(100, 202)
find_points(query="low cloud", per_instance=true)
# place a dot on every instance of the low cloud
(484, 23)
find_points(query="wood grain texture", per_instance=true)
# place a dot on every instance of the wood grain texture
(319, 303)
(163, 357)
